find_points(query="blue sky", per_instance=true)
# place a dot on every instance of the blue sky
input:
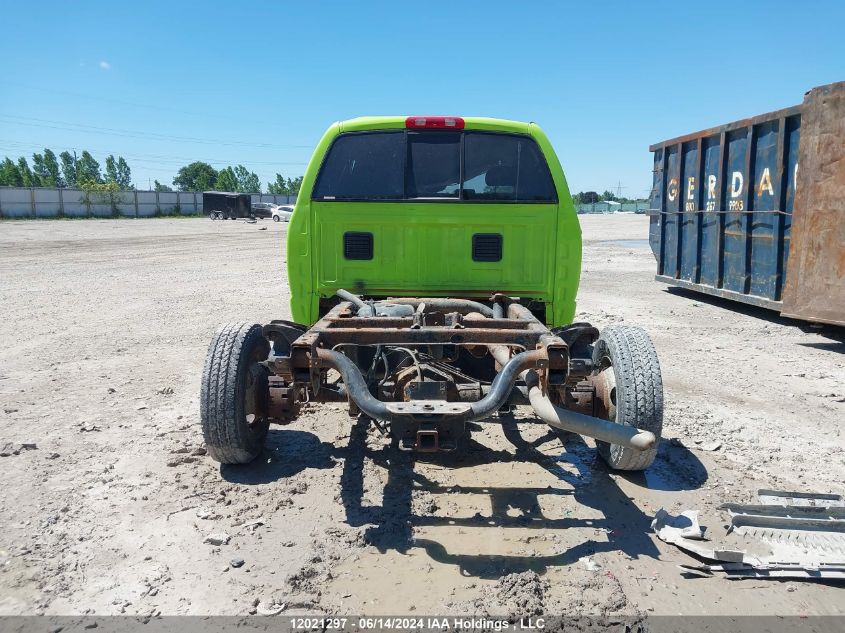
(258, 82)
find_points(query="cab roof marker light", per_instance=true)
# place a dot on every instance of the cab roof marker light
(434, 123)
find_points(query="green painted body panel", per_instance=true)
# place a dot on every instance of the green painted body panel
(423, 248)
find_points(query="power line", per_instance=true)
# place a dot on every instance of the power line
(133, 104)
(93, 129)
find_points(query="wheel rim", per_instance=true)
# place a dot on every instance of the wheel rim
(605, 384)
(255, 385)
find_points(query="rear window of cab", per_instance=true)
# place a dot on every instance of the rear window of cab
(434, 166)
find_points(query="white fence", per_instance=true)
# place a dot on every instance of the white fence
(41, 202)
(640, 206)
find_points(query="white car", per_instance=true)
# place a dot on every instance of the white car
(282, 212)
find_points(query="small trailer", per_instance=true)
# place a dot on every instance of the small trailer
(224, 205)
(754, 211)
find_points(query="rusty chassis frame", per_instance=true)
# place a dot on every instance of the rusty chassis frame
(535, 366)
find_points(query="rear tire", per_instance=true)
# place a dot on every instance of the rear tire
(233, 394)
(276, 218)
(637, 394)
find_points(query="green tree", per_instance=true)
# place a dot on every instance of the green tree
(28, 179)
(52, 167)
(284, 185)
(68, 168)
(279, 186)
(39, 169)
(9, 174)
(248, 181)
(118, 172)
(197, 176)
(157, 186)
(124, 174)
(46, 168)
(226, 180)
(111, 169)
(88, 169)
(94, 192)
(294, 185)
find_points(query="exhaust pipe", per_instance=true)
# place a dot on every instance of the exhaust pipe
(498, 394)
(566, 420)
(364, 309)
(597, 428)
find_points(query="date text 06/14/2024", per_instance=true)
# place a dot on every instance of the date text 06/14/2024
(415, 623)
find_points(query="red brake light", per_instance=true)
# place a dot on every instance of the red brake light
(435, 122)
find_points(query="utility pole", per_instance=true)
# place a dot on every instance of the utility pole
(619, 187)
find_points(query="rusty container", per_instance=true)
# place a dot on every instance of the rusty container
(754, 210)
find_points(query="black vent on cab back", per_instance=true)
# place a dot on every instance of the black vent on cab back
(487, 247)
(357, 245)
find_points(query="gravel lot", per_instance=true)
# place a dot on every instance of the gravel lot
(104, 331)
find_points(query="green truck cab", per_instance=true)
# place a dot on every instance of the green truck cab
(434, 206)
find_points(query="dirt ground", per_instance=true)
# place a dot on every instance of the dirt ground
(108, 502)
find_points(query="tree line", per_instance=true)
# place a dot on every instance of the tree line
(590, 197)
(200, 176)
(65, 170)
(84, 172)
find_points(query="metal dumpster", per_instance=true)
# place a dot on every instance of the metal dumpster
(754, 210)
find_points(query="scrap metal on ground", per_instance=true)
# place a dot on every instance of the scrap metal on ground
(786, 535)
